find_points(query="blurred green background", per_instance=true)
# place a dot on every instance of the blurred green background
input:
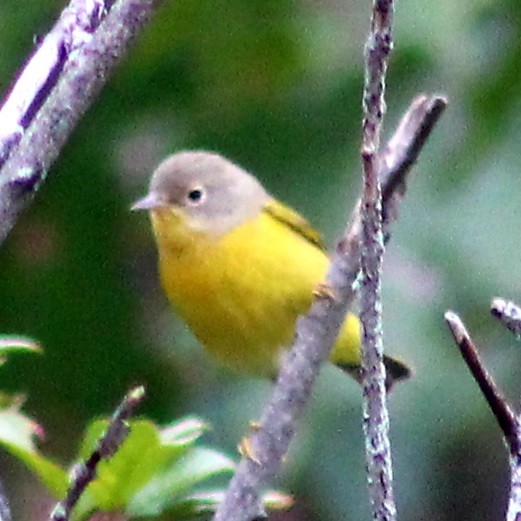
(276, 86)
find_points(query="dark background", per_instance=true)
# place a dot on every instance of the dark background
(276, 85)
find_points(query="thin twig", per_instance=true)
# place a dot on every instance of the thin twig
(84, 472)
(375, 412)
(83, 70)
(509, 313)
(496, 401)
(5, 511)
(509, 423)
(403, 149)
(514, 500)
(314, 338)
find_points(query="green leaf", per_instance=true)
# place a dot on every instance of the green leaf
(195, 505)
(145, 453)
(169, 488)
(16, 344)
(140, 456)
(15, 427)
(184, 432)
(205, 504)
(17, 433)
(12, 343)
(52, 475)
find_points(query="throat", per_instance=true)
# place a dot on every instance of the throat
(175, 239)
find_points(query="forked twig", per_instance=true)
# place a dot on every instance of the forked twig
(316, 332)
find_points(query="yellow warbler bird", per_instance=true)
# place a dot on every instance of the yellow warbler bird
(238, 266)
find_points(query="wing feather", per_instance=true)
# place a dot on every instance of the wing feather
(294, 221)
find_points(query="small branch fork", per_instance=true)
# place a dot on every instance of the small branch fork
(316, 332)
(508, 420)
(85, 472)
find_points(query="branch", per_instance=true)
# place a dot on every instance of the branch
(314, 338)
(5, 511)
(509, 423)
(42, 70)
(496, 401)
(56, 88)
(514, 500)
(84, 472)
(402, 151)
(509, 313)
(375, 412)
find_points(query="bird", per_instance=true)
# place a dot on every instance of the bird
(239, 267)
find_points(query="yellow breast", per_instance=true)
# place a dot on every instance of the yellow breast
(242, 292)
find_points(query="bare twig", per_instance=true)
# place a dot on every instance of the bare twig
(514, 500)
(84, 472)
(375, 412)
(5, 511)
(509, 313)
(509, 422)
(82, 55)
(403, 149)
(315, 335)
(496, 401)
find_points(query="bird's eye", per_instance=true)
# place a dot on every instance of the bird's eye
(195, 195)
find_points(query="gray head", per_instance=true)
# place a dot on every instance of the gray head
(215, 194)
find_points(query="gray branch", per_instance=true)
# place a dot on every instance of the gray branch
(316, 332)
(375, 412)
(58, 85)
(41, 72)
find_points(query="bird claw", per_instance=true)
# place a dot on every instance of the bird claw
(245, 449)
(324, 290)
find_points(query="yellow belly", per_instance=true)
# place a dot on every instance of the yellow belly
(241, 293)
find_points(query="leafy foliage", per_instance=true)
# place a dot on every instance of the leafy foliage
(154, 471)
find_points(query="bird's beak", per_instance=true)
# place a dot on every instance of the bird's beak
(149, 202)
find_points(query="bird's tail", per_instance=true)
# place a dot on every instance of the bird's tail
(395, 371)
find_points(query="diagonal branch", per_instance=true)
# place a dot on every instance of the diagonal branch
(83, 473)
(402, 152)
(42, 70)
(509, 422)
(79, 54)
(315, 335)
(496, 401)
